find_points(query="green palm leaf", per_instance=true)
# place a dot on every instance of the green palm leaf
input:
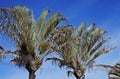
(40, 21)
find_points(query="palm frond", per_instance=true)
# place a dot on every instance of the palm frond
(18, 61)
(115, 71)
(41, 19)
(104, 66)
(8, 24)
(101, 52)
(50, 29)
(101, 43)
(57, 61)
(88, 31)
(4, 52)
(79, 30)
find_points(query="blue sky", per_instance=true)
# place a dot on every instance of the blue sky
(105, 13)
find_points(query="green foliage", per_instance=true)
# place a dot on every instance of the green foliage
(29, 34)
(79, 47)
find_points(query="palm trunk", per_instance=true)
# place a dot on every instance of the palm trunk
(31, 74)
(79, 76)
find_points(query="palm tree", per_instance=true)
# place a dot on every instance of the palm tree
(78, 48)
(30, 35)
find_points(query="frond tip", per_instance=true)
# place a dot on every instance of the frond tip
(101, 52)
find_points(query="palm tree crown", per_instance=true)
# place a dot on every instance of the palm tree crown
(79, 47)
(30, 35)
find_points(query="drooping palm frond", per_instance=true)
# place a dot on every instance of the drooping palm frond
(3, 53)
(80, 46)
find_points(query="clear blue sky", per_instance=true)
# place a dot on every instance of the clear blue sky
(105, 13)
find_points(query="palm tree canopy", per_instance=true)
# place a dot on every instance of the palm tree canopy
(31, 36)
(81, 46)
